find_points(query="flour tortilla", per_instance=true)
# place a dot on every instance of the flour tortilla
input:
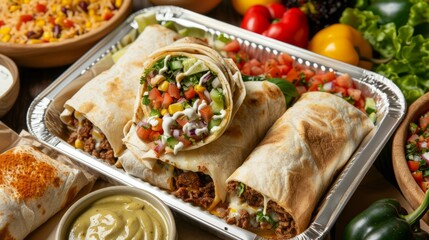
(263, 105)
(107, 101)
(298, 158)
(227, 72)
(33, 187)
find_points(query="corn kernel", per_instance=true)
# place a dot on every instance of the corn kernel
(53, 39)
(54, 7)
(40, 22)
(66, 2)
(88, 24)
(175, 107)
(34, 41)
(118, 3)
(163, 111)
(5, 30)
(78, 144)
(14, 8)
(163, 86)
(47, 35)
(27, 1)
(59, 20)
(199, 88)
(5, 38)
(91, 12)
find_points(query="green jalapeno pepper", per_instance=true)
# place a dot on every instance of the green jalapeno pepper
(384, 220)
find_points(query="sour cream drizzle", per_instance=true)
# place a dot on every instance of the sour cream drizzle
(164, 68)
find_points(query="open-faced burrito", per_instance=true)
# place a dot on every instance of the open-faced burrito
(276, 190)
(188, 97)
(199, 175)
(33, 187)
(98, 112)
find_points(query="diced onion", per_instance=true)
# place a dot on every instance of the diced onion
(216, 83)
(327, 86)
(176, 133)
(425, 156)
(207, 94)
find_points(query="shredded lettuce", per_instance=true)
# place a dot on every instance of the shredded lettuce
(405, 49)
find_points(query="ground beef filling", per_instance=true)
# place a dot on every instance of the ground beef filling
(83, 133)
(285, 227)
(194, 187)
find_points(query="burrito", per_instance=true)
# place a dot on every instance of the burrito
(33, 187)
(187, 98)
(276, 190)
(98, 112)
(199, 176)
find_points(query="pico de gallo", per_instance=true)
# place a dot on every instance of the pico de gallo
(304, 78)
(417, 151)
(186, 102)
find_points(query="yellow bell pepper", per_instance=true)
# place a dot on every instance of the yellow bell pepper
(344, 43)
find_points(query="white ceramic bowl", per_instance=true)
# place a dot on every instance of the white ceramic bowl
(9, 84)
(82, 204)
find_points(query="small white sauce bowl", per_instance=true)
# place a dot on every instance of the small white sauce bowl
(9, 79)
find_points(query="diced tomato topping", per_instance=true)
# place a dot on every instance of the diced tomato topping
(339, 89)
(233, 46)
(315, 84)
(51, 20)
(344, 81)
(190, 93)
(167, 100)
(173, 90)
(157, 103)
(1, 23)
(294, 76)
(418, 176)
(182, 120)
(68, 23)
(107, 15)
(154, 93)
(360, 104)
(154, 135)
(206, 113)
(301, 89)
(324, 76)
(158, 127)
(354, 93)
(274, 72)
(23, 19)
(285, 59)
(413, 138)
(186, 142)
(424, 186)
(40, 7)
(413, 165)
(423, 122)
(144, 133)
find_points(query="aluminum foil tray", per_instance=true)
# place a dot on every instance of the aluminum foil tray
(43, 118)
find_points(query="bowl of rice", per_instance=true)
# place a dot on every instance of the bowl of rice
(51, 33)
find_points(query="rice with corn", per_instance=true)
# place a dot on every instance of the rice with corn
(43, 21)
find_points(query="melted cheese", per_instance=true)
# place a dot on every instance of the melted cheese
(236, 205)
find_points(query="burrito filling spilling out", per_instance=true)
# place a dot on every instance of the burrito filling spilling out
(193, 187)
(252, 210)
(85, 136)
(186, 102)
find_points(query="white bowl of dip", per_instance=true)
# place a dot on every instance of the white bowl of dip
(9, 84)
(111, 212)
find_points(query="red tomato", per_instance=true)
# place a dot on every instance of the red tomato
(276, 10)
(68, 23)
(206, 113)
(418, 176)
(40, 7)
(158, 127)
(144, 133)
(182, 120)
(1, 23)
(344, 81)
(154, 135)
(424, 186)
(107, 15)
(232, 46)
(423, 122)
(173, 90)
(167, 100)
(255, 22)
(355, 94)
(413, 165)
(190, 93)
(154, 93)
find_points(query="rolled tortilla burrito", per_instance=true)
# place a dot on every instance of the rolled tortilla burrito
(33, 187)
(276, 190)
(199, 175)
(98, 112)
(187, 98)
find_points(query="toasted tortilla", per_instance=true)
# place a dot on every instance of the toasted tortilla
(302, 152)
(33, 187)
(107, 101)
(263, 105)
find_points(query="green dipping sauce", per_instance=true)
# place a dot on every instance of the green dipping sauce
(120, 217)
